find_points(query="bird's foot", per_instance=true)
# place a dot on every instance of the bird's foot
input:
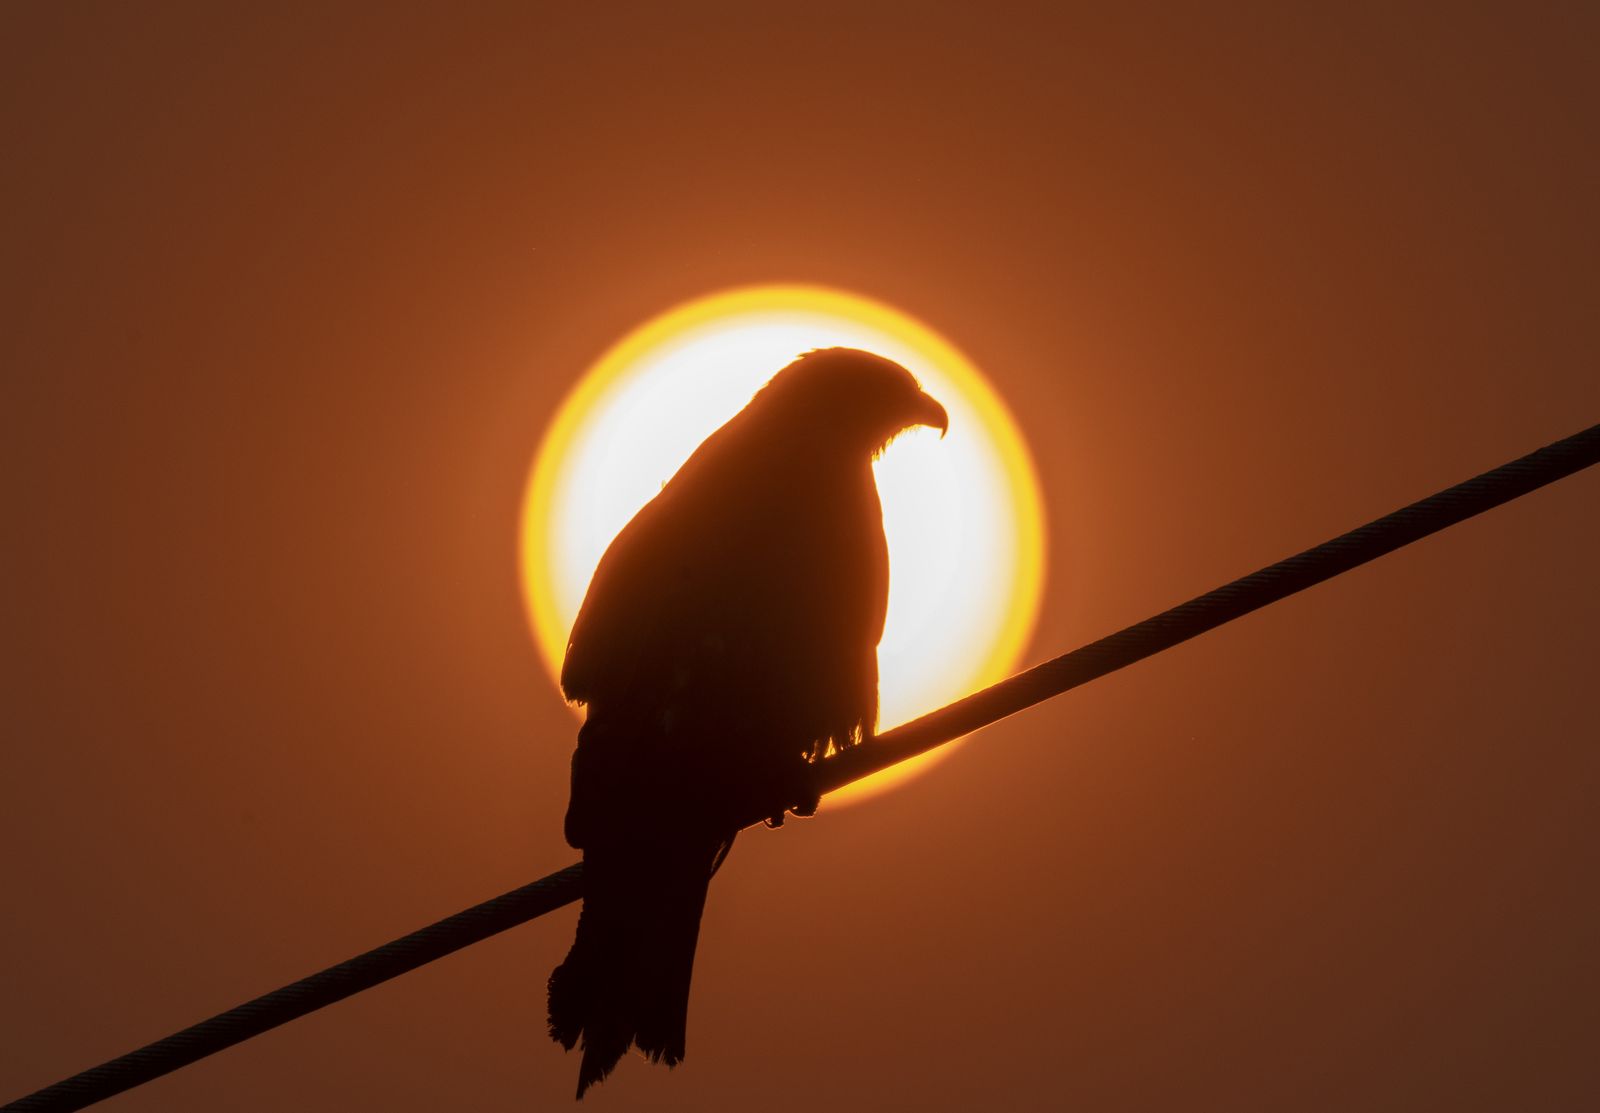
(807, 805)
(805, 800)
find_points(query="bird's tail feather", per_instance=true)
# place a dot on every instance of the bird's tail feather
(626, 980)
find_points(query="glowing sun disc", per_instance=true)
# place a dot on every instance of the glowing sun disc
(963, 515)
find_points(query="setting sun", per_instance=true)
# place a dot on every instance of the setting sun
(962, 515)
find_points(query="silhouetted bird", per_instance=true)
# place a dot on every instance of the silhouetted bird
(729, 637)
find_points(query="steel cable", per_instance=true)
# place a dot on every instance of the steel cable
(1033, 686)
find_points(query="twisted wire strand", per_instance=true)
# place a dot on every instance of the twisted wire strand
(1218, 606)
(1025, 689)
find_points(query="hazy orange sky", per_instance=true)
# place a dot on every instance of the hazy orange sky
(289, 298)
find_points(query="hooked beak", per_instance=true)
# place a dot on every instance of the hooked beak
(929, 412)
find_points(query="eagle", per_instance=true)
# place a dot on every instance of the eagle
(728, 640)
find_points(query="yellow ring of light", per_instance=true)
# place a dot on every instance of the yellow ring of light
(550, 624)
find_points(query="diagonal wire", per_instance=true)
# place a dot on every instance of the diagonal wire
(1035, 685)
(1218, 606)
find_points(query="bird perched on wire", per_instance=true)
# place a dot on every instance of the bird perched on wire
(728, 640)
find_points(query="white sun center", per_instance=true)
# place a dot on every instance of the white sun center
(962, 515)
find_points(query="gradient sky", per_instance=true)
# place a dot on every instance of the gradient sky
(288, 299)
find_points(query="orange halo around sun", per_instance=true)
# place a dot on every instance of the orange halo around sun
(963, 516)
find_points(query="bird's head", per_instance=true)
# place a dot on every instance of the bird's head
(854, 397)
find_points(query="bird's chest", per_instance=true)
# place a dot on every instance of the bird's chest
(821, 544)
(798, 566)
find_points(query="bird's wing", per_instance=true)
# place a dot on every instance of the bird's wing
(618, 615)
